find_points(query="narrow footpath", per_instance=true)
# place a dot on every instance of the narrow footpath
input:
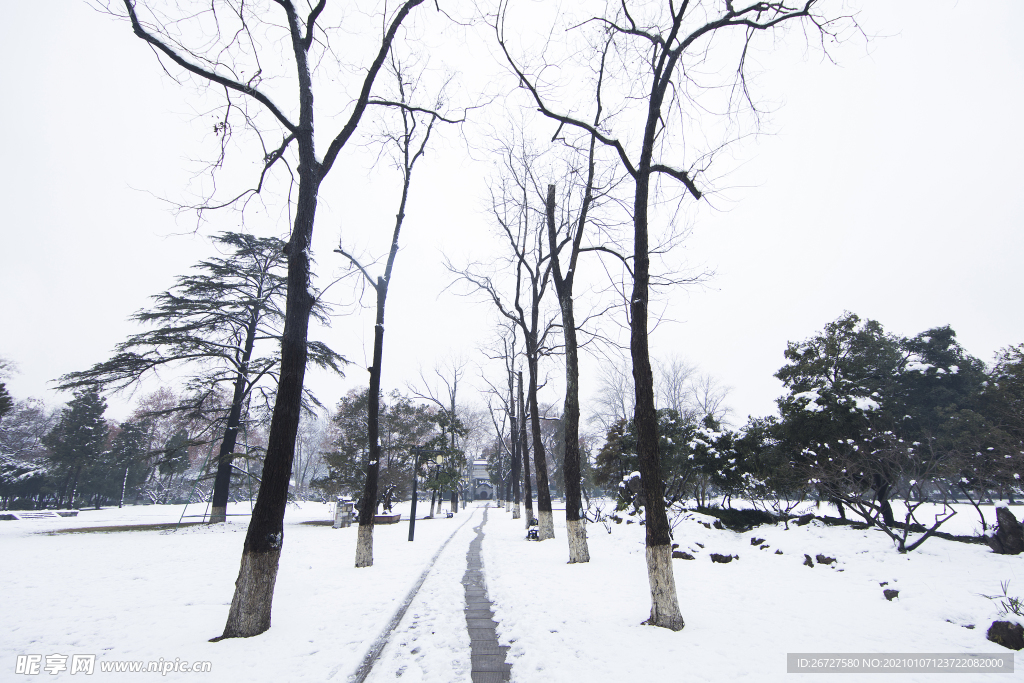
(487, 656)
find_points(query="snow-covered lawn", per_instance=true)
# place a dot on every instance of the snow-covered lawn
(147, 595)
(583, 622)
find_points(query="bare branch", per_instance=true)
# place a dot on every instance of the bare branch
(364, 94)
(213, 76)
(307, 41)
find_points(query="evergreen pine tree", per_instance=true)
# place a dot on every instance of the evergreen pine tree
(77, 442)
(6, 402)
(127, 460)
(223, 323)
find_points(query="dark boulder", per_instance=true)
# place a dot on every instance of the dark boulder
(1009, 536)
(1007, 634)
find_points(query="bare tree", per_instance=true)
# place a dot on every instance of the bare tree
(678, 385)
(408, 144)
(312, 439)
(509, 358)
(520, 225)
(614, 399)
(660, 48)
(219, 44)
(576, 532)
(524, 451)
(673, 382)
(708, 397)
(501, 458)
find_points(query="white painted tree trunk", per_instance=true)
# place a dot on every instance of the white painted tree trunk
(546, 526)
(364, 547)
(254, 593)
(218, 515)
(576, 532)
(508, 505)
(516, 512)
(664, 604)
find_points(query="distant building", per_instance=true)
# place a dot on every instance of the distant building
(483, 489)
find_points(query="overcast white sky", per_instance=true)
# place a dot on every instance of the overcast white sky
(890, 187)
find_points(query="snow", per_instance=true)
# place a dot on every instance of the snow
(914, 365)
(811, 396)
(143, 595)
(864, 403)
(583, 622)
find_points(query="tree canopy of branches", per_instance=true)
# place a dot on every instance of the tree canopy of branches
(407, 144)
(504, 461)
(517, 207)
(698, 460)
(223, 325)
(403, 425)
(23, 468)
(870, 416)
(227, 46)
(659, 49)
(77, 442)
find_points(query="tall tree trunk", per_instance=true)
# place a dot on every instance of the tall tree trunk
(368, 509)
(514, 475)
(576, 531)
(664, 601)
(254, 589)
(364, 543)
(524, 453)
(222, 482)
(546, 526)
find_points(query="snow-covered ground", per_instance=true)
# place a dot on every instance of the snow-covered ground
(147, 595)
(583, 622)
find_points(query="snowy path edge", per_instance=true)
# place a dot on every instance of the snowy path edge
(378, 644)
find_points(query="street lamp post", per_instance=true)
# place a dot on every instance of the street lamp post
(418, 453)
